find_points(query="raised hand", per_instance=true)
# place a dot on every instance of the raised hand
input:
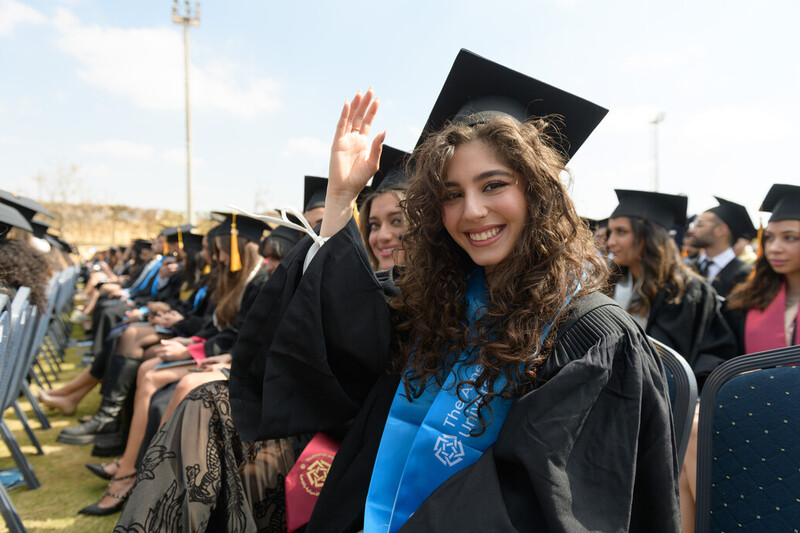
(354, 159)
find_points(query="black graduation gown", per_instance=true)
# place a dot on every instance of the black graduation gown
(592, 447)
(695, 328)
(305, 360)
(732, 274)
(222, 341)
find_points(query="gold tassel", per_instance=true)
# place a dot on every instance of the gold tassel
(207, 270)
(180, 239)
(165, 248)
(356, 215)
(236, 261)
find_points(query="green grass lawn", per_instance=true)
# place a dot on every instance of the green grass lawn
(67, 485)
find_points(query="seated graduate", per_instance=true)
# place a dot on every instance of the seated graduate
(380, 215)
(766, 304)
(716, 231)
(671, 303)
(762, 309)
(494, 419)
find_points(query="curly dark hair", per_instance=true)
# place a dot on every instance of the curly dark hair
(760, 289)
(527, 290)
(662, 267)
(21, 265)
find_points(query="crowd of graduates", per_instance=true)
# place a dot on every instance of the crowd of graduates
(233, 365)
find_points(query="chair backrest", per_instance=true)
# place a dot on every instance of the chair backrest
(5, 328)
(18, 341)
(682, 394)
(748, 453)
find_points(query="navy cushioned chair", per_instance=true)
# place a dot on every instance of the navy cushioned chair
(682, 394)
(748, 464)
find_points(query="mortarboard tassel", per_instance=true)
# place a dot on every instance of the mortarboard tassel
(236, 261)
(356, 215)
(180, 238)
(207, 270)
(165, 248)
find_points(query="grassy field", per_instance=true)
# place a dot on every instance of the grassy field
(67, 485)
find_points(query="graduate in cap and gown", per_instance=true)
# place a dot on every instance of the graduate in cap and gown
(670, 302)
(716, 231)
(766, 304)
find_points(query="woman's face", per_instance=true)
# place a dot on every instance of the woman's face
(782, 246)
(385, 230)
(272, 260)
(621, 242)
(223, 255)
(485, 209)
(204, 252)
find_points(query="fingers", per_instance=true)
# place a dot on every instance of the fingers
(351, 116)
(341, 126)
(361, 109)
(375, 151)
(372, 110)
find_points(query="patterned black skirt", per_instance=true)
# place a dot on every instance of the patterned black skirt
(197, 474)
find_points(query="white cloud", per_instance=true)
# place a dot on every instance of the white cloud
(9, 139)
(118, 148)
(146, 65)
(13, 14)
(177, 156)
(307, 145)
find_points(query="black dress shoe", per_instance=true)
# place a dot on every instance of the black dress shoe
(99, 469)
(86, 432)
(95, 510)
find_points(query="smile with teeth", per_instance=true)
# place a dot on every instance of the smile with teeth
(386, 252)
(485, 235)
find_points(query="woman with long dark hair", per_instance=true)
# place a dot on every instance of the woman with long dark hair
(767, 303)
(670, 302)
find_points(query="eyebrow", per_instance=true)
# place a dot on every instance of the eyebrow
(391, 214)
(483, 176)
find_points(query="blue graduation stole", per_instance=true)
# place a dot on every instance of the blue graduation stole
(141, 285)
(426, 440)
(200, 296)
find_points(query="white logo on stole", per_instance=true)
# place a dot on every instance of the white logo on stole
(449, 450)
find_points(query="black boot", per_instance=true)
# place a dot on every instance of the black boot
(108, 417)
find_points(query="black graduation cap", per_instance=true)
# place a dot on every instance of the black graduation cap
(27, 206)
(9, 216)
(391, 175)
(783, 201)
(736, 217)
(478, 89)
(667, 210)
(58, 242)
(248, 227)
(314, 192)
(39, 228)
(289, 235)
(192, 242)
(141, 244)
(173, 231)
(595, 224)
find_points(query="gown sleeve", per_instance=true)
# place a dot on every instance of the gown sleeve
(695, 328)
(313, 343)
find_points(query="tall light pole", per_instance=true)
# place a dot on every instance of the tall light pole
(655, 122)
(187, 19)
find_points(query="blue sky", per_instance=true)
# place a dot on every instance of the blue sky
(94, 88)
